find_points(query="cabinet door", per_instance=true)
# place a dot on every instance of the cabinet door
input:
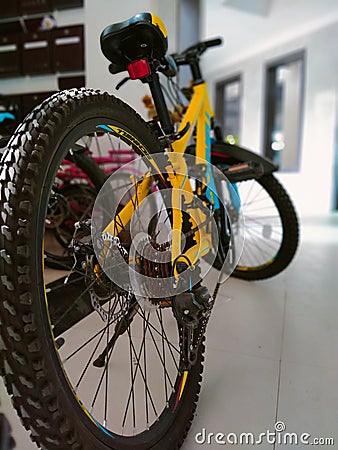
(34, 6)
(9, 9)
(9, 55)
(36, 55)
(71, 82)
(65, 4)
(68, 49)
(17, 107)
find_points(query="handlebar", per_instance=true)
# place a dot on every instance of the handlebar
(191, 54)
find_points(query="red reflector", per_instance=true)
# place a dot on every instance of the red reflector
(138, 69)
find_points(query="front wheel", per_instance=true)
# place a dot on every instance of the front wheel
(271, 228)
(56, 325)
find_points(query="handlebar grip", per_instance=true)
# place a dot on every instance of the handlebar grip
(195, 51)
(213, 42)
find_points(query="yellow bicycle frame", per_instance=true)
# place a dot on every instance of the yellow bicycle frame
(198, 115)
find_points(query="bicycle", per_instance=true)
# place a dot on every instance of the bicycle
(271, 220)
(110, 354)
(272, 224)
(272, 230)
(78, 182)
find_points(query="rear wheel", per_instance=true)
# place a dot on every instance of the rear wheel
(88, 364)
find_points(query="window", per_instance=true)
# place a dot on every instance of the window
(283, 111)
(228, 108)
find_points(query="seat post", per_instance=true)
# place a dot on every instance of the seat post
(160, 104)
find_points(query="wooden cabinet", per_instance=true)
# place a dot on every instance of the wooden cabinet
(34, 6)
(68, 49)
(10, 61)
(36, 53)
(27, 50)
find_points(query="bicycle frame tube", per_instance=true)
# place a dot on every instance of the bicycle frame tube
(182, 192)
(141, 191)
(198, 114)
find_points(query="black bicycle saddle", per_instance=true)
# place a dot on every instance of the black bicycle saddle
(141, 36)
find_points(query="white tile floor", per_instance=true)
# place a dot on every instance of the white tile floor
(272, 351)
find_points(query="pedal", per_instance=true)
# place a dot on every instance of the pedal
(244, 171)
(193, 310)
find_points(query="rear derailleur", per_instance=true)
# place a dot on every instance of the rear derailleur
(192, 310)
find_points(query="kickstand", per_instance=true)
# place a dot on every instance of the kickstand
(120, 328)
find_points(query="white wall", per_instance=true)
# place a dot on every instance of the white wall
(311, 188)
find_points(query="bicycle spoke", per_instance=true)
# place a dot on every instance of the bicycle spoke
(156, 331)
(107, 378)
(143, 341)
(104, 331)
(133, 378)
(264, 230)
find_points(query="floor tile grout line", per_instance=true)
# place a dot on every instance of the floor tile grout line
(277, 399)
(280, 358)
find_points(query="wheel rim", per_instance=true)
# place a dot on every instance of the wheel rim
(141, 378)
(263, 227)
